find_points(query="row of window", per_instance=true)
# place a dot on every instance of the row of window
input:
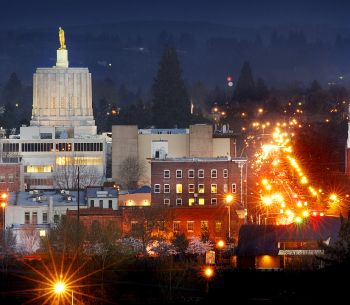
(38, 169)
(10, 178)
(45, 147)
(192, 189)
(191, 173)
(100, 204)
(38, 181)
(204, 226)
(32, 218)
(191, 201)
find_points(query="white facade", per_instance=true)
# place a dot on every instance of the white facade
(104, 200)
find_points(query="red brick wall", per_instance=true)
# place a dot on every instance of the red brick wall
(157, 177)
(10, 169)
(347, 162)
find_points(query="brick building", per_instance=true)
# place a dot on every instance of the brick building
(11, 177)
(198, 181)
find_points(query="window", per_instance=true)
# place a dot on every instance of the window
(201, 201)
(178, 201)
(2, 178)
(214, 188)
(161, 225)
(191, 188)
(34, 218)
(10, 178)
(92, 203)
(27, 218)
(190, 173)
(166, 188)
(218, 226)
(201, 173)
(178, 173)
(204, 225)
(214, 173)
(157, 188)
(101, 203)
(176, 226)
(134, 225)
(44, 217)
(166, 201)
(233, 190)
(166, 174)
(191, 201)
(201, 188)
(225, 173)
(214, 201)
(178, 188)
(225, 188)
(110, 204)
(190, 226)
(56, 218)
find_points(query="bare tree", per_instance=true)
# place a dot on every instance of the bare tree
(130, 171)
(66, 174)
(30, 240)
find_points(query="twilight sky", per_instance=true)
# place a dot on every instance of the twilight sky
(245, 13)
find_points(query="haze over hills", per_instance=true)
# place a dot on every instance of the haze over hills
(129, 52)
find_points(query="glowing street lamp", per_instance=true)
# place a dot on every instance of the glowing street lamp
(208, 273)
(220, 245)
(60, 289)
(229, 199)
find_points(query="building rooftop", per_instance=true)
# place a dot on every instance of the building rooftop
(41, 198)
(164, 131)
(263, 239)
(188, 159)
(142, 190)
(101, 192)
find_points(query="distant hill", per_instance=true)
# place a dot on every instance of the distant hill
(128, 52)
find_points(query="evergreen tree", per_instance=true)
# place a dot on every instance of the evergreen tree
(171, 103)
(261, 90)
(245, 88)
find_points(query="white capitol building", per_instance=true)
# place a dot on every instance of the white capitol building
(62, 135)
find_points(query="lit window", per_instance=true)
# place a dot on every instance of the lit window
(178, 173)
(42, 233)
(166, 188)
(190, 226)
(191, 188)
(157, 188)
(201, 201)
(214, 173)
(233, 190)
(191, 201)
(214, 201)
(166, 174)
(190, 173)
(204, 225)
(38, 169)
(225, 173)
(178, 201)
(201, 188)
(218, 226)
(225, 188)
(178, 188)
(134, 225)
(176, 226)
(201, 173)
(166, 201)
(214, 188)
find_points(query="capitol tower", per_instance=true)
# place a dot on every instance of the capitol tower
(62, 135)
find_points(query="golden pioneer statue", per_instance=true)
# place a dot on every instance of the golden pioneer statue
(62, 39)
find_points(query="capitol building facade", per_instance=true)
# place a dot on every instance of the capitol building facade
(62, 138)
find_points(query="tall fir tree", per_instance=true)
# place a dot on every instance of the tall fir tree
(171, 102)
(245, 88)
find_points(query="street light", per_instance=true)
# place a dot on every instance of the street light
(208, 273)
(3, 205)
(229, 198)
(60, 288)
(220, 245)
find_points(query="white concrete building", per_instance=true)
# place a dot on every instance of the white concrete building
(62, 135)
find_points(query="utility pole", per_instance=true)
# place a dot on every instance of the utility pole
(78, 195)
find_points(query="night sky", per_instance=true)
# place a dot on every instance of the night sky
(247, 13)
